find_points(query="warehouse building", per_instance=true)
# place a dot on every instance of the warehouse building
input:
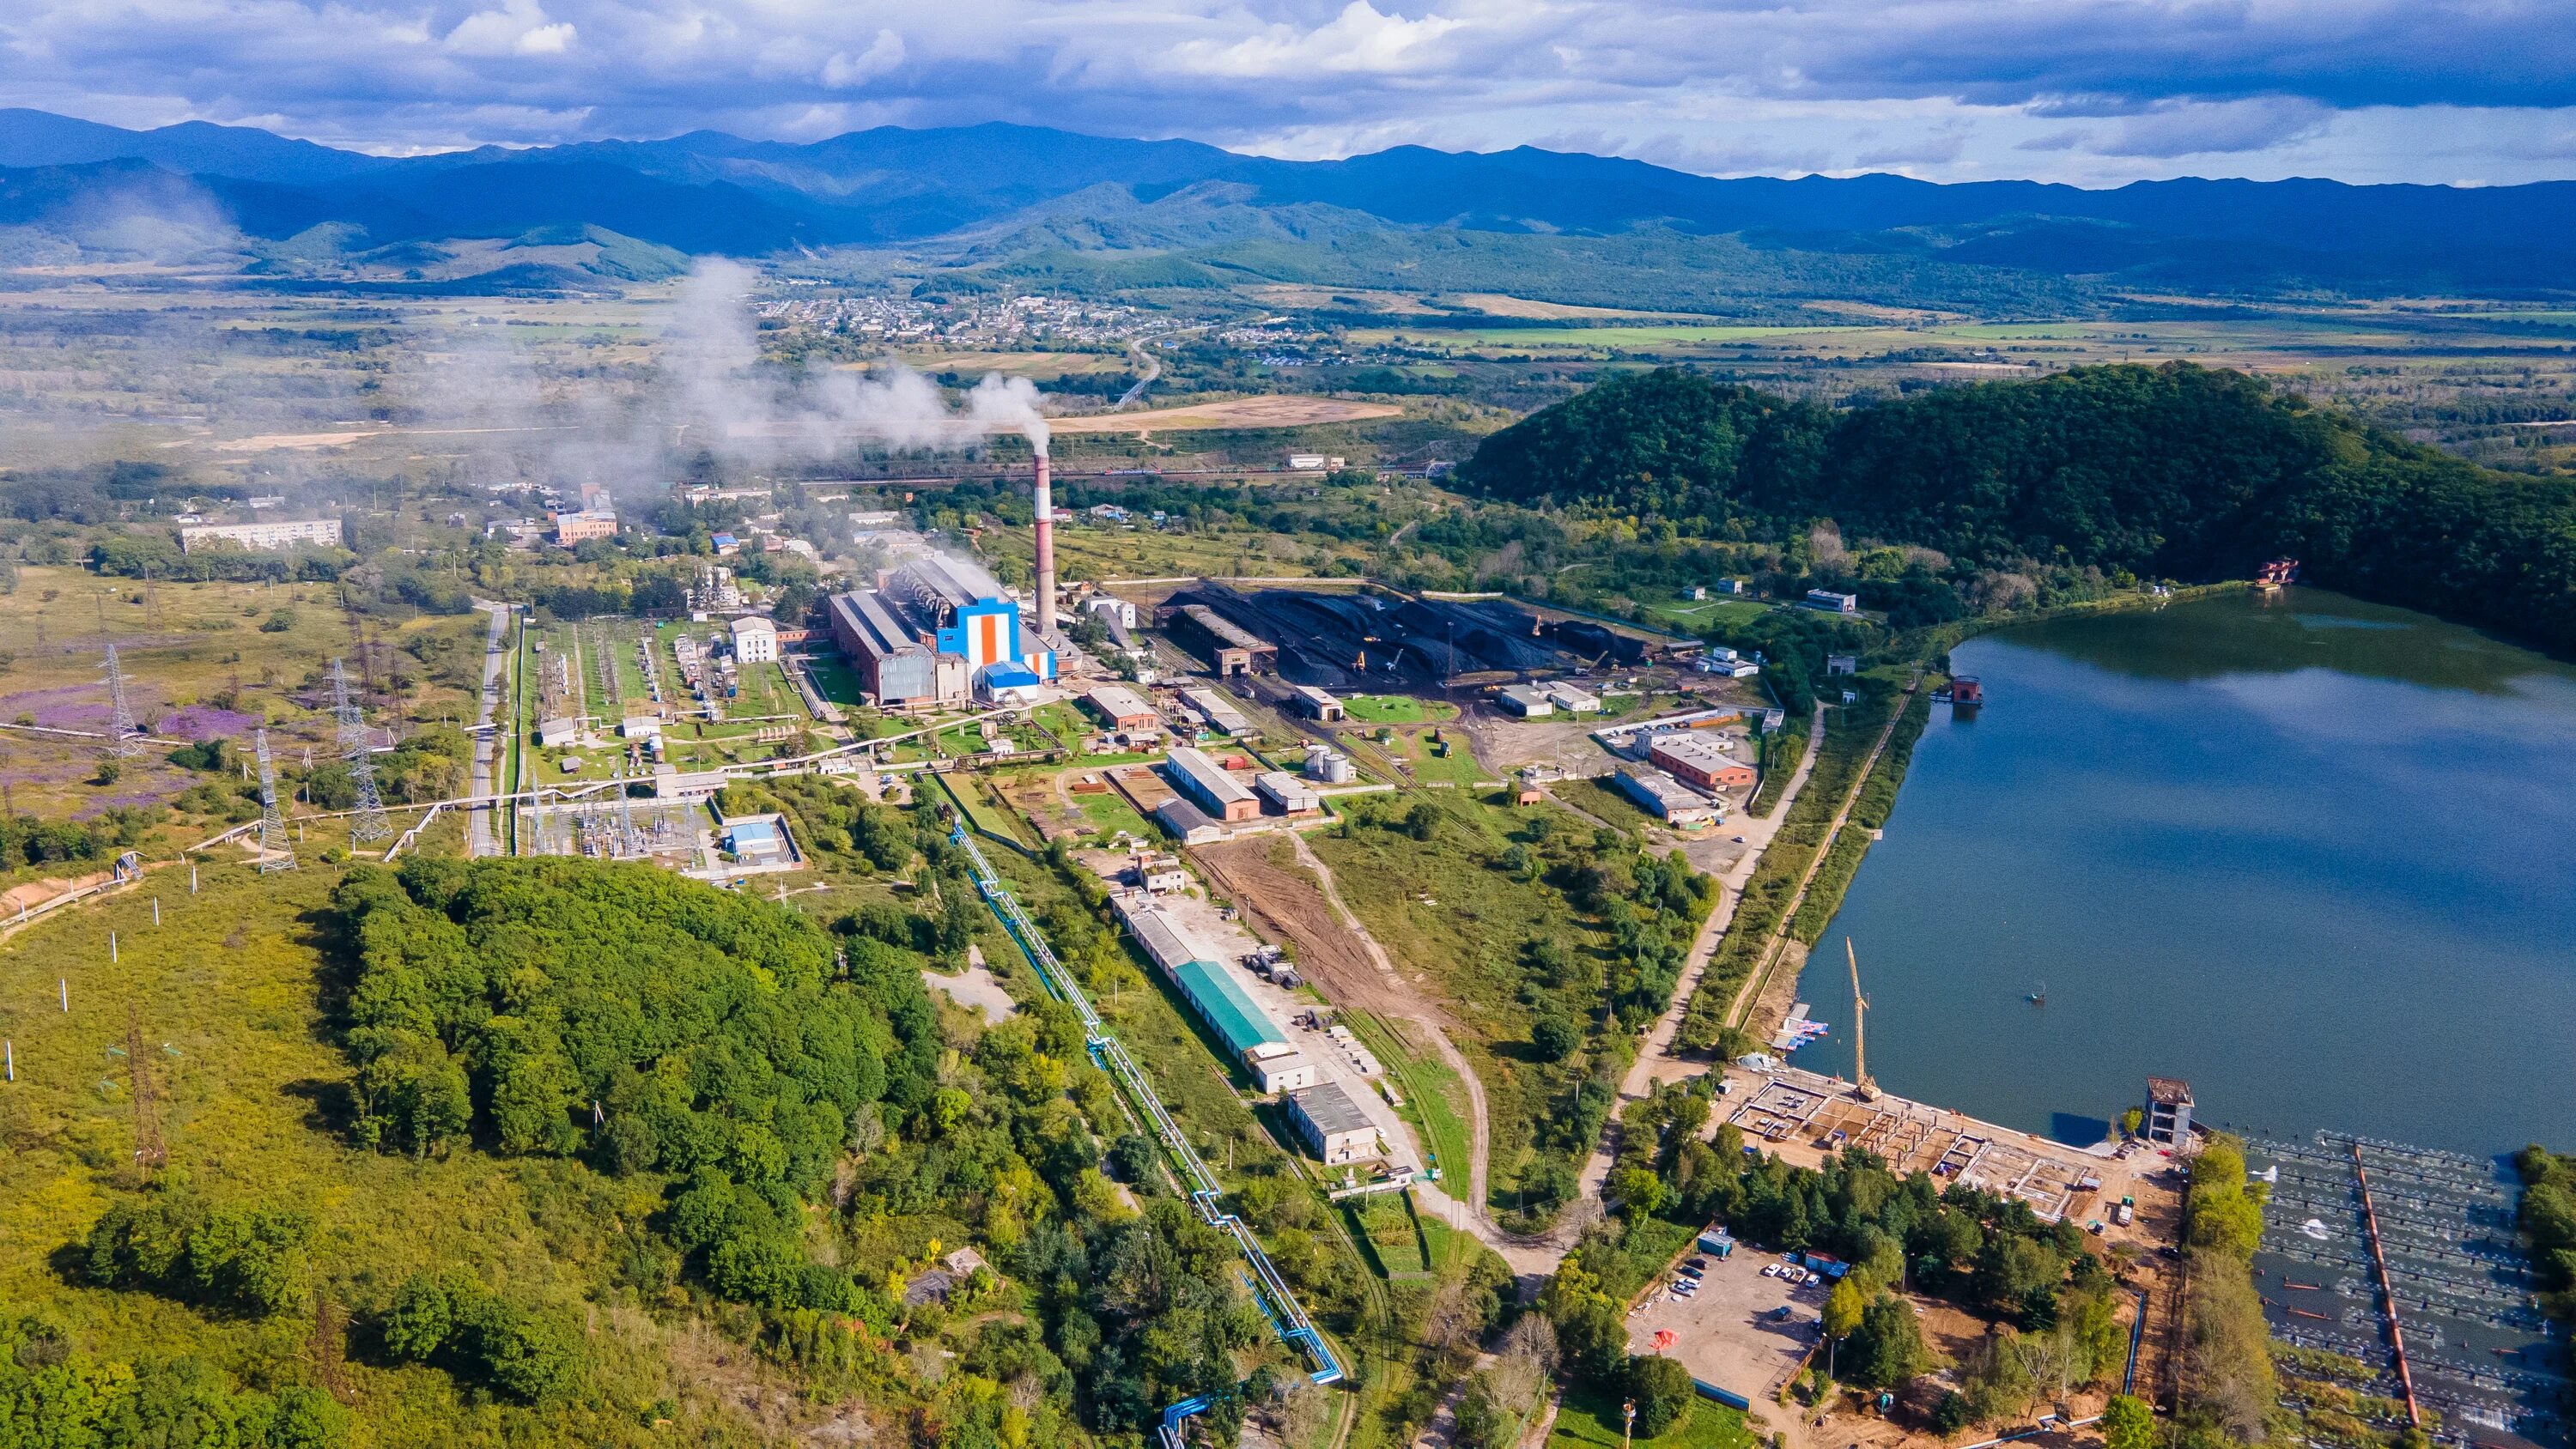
(1207, 785)
(1317, 704)
(1666, 798)
(1695, 761)
(1333, 1125)
(1123, 708)
(1232, 648)
(1291, 795)
(1249, 1035)
(1529, 701)
(1221, 717)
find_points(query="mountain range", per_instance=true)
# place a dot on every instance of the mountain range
(1000, 201)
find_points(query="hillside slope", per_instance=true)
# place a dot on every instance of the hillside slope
(2174, 471)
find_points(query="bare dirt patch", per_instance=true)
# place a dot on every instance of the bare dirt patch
(1287, 903)
(1251, 412)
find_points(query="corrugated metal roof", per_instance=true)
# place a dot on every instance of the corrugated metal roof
(1330, 1108)
(1227, 1006)
(1206, 774)
(1161, 937)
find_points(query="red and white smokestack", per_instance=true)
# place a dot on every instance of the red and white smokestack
(1046, 551)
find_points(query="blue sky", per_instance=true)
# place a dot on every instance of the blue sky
(2088, 91)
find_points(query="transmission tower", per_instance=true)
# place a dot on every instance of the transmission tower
(124, 738)
(371, 823)
(148, 1151)
(275, 851)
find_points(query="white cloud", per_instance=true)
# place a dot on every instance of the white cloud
(1359, 40)
(844, 70)
(518, 28)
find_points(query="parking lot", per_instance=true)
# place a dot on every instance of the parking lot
(1727, 1333)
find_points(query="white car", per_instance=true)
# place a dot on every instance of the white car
(1770, 1270)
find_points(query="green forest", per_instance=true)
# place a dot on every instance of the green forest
(2175, 472)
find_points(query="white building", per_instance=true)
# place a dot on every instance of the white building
(1529, 701)
(1120, 611)
(1288, 793)
(1333, 1125)
(285, 533)
(755, 640)
(1574, 701)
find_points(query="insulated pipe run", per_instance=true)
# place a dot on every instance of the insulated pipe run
(1045, 512)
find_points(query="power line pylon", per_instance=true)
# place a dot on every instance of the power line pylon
(354, 748)
(124, 737)
(276, 852)
(149, 1154)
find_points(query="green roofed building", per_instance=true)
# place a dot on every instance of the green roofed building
(1228, 1009)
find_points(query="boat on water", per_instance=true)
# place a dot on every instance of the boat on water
(2038, 995)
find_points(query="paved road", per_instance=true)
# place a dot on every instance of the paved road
(489, 750)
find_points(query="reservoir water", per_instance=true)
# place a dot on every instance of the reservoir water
(2316, 856)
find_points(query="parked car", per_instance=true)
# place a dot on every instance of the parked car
(1770, 1270)
(1699, 1263)
(1689, 1274)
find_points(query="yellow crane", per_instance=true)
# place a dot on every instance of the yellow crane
(1860, 1029)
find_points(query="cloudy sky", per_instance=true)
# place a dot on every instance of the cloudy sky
(2089, 91)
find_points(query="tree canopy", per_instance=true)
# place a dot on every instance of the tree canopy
(2175, 471)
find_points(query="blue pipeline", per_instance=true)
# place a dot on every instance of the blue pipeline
(1269, 1290)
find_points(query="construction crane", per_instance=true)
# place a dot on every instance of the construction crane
(1860, 1029)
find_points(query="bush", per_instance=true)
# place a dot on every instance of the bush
(248, 1261)
(451, 1321)
(1661, 1390)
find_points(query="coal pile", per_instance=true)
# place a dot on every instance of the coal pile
(1351, 641)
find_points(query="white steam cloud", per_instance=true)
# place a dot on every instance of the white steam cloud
(710, 355)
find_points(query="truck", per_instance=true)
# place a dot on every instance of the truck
(2126, 1212)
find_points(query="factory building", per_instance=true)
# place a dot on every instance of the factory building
(755, 640)
(1230, 647)
(1666, 798)
(1333, 1125)
(938, 630)
(1208, 786)
(1292, 796)
(1573, 700)
(1529, 701)
(1831, 602)
(1696, 761)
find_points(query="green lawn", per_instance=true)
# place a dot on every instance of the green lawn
(1604, 800)
(1705, 613)
(1397, 709)
(1590, 1417)
(1457, 767)
(1110, 813)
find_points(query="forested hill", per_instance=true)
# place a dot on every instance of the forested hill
(2175, 471)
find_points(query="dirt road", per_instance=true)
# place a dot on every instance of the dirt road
(1752, 991)
(1299, 903)
(1655, 1060)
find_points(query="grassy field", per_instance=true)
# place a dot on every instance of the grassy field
(251, 1091)
(198, 660)
(1456, 767)
(1398, 709)
(1706, 613)
(1598, 798)
(1088, 552)
(1443, 909)
(1589, 1419)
